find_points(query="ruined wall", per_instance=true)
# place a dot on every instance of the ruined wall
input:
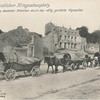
(49, 27)
(38, 46)
(62, 38)
(48, 42)
(21, 52)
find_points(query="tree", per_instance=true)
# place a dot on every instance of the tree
(1, 32)
(83, 31)
(96, 35)
(91, 38)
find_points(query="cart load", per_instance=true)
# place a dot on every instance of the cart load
(12, 65)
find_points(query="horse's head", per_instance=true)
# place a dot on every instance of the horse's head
(46, 59)
(49, 60)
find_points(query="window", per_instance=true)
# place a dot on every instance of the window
(65, 37)
(64, 45)
(75, 32)
(60, 44)
(75, 39)
(68, 37)
(60, 37)
(68, 45)
(71, 45)
(71, 38)
(74, 46)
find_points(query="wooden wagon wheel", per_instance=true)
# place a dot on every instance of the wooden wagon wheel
(72, 66)
(35, 71)
(92, 64)
(10, 74)
(84, 64)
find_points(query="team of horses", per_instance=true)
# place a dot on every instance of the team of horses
(54, 61)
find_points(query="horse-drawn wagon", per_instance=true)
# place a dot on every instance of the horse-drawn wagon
(11, 68)
(72, 62)
(86, 61)
(75, 64)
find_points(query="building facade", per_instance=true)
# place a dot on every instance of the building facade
(61, 38)
(34, 49)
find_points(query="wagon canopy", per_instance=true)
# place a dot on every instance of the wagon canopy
(62, 55)
(27, 60)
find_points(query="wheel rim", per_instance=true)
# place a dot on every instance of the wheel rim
(10, 74)
(84, 64)
(73, 66)
(35, 71)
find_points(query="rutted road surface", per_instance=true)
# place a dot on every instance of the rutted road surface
(80, 84)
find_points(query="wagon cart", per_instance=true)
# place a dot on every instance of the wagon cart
(75, 64)
(10, 73)
(11, 69)
(11, 64)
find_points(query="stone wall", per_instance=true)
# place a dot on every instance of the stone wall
(38, 46)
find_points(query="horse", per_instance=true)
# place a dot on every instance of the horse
(60, 62)
(50, 62)
(53, 61)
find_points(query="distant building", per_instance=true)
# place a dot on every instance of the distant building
(92, 47)
(61, 38)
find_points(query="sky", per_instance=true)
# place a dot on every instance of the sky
(35, 21)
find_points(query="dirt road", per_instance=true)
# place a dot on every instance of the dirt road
(80, 84)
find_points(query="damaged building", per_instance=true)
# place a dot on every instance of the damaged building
(61, 38)
(23, 43)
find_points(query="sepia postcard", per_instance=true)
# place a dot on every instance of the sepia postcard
(49, 49)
